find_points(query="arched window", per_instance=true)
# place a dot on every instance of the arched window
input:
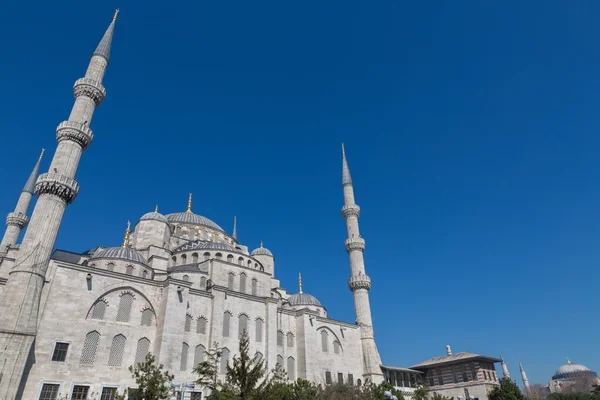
(201, 325)
(110, 266)
(324, 341)
(259, 329)
(241, 261)
(203, 283)
(188, 323)
(242, 283)
(184, 356)
(143, 348)
(147, 315)
(219, 256)
(279, 361)
(144, 274)
(358, 382)
(116, 351)
(195, 258)
(186, 278)
(90, 346)
(174, 260)
(242, 325)
(226, 322)
(183, 259)
(199, 355)
(124, 311)
(206, 256)
(255, 265)
(224, 360)
(291, 368)
(230, 281)
(177, 230)
(337, 347)
(249, 263)
(279, 338)
(290, 339)
(129, 270)
(258, 356)
(230, 258)
(254, 287)
(99, 309)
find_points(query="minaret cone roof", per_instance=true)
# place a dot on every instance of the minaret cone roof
(346, 178)
(30, 184)
(103, 48)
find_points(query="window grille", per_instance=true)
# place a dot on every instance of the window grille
(350, 379)
(98, 310)
(324, 341)
(230, 281)
(188, 323)
(242, 325)
(147, 317)
(129, 270)
(242, 283)
(328, 377)
(201, 325)
(340, 378)
(291, 368)
(226, 319)
(90, 346)
(279, 338)
(184, 356)
(49, 391)
(108, 393)
(290, 339)
(110, 266)
(259, 329)
(116, 351)
(224, 360)
(124, 311)
(80, 392)
(254, 287)
(279, 361)
(336, 347)
(199, 354)
(60, 351)
(143, 348)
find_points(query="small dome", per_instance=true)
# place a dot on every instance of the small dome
(261, 251)
(154, 215)
(571, 370)
(121, 253)
(191, 218)
(303, 299)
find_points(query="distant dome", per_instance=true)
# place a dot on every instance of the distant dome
(571, 370)
(191, 218)
(261, 251)
(120, 253)
(303, 299)
(154, 215)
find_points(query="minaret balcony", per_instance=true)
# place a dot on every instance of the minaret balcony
(90, 88)
(58, 185)
(75, 132)
(17, 219)
(359, 281)
(354, 243)
(351, 210)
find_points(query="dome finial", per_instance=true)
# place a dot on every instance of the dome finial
(261, 244)
(156, 209)
(300, 282)
(189, 209)
(568, 361)
(126, 238)
(116, 13)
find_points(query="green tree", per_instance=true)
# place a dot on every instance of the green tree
(246, 374)
(207, 370)
(508, 390)
(370, 390)
(437, 396)
(420, 393)
(153, 383)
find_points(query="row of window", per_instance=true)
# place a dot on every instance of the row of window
(458, 375)
(194, 259)
(80, 392)
(129, 269)
(117, 349)
(401, 379)
(243, 321)
(340, 378)
(123, 311)
(337, 347)
(242, 285)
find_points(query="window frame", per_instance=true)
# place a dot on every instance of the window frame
(67, 352)
(85, 385)
(115, 387)
(47, 382)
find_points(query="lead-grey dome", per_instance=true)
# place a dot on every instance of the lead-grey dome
(571, 370)
(120, 253)
(261, 251)
(154, 215)
(303, 299)
(191, 218)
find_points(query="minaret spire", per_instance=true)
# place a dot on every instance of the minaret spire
(299, 282)
(359, 281)
(126, 238)
(20, 300)
(504, 368)
(189, 209)
(16, 220)
(234, 228)
(524, 377)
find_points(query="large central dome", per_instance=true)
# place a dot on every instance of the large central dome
(191, 218)
(571, 370)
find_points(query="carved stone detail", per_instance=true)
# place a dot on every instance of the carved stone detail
(90, 88)
(19, 220)
(58, 185)
(359, 281)
(75, 132)
(354, 243)
(351, 210)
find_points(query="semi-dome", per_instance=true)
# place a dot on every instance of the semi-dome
(191, 218)
(120, 253)
(154, 215)
(303, 299)
(261, 251)
(571, 370)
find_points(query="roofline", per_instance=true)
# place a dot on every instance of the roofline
(401, 369)
(426, 364)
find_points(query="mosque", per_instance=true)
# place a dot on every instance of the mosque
(72, 323)
(569, 377)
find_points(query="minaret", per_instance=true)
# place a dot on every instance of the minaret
(20, 300)
(504, 368)
(359, 282)
(234, 235)
(16, 220)
(524, 377)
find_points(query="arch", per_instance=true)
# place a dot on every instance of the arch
(186, 278)
(226, 322)
(290, 339)
(219, 256)
(134, 292)
(99, 309)
(201, 325)
(116, 351)
(329, 332)
(259, 329)
(230, 258)
(241, 260)
(188, 323)
(254, 287)
(195, 258)
(142, 350)
(199, 354)
(280, 336)
(90, 346)
(242, 324)
(129, 270)
(147, 317)
(224, 360)
(206, 256)
(230, 278)
(243, 277)
(291, 368)
(203, 283)
(124, 310)
(185, 348)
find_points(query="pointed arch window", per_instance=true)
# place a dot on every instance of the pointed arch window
(259, 329)
(242, 283)
(99, 309)
(203, 283)
(324, 341)
(116, 351)
(184, 356)
(290, 339)
(224, 360)
(254, 287)
(199, 355)
(258, 356)
(90, 346)
(279, 361)
(201, 325)
(291, 368)
(280, 338)
(337, 348)
(188, 323)
(226, 323)
(242, 325)
(124, 310)
(230, 278)
(147, 315)
(142, 350)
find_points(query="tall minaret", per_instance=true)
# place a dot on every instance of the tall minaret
(16, 220)
(20, 301)
(524, 377)
(504, 368)
(359, 282)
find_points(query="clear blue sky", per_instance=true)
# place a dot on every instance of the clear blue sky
(471, 131)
